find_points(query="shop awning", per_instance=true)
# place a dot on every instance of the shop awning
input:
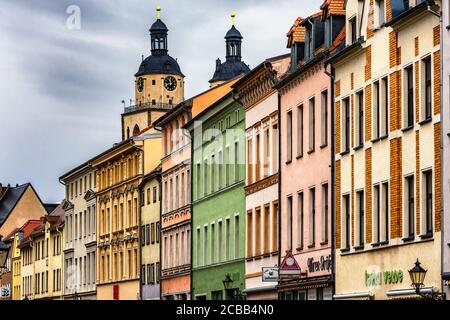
(305, 283)
(354, 296)
(260, 289)
(401, 294)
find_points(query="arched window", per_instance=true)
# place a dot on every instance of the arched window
(136, 130)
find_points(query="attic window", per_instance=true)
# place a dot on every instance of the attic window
(352, 30)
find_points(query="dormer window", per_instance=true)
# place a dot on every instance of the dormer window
(309, 43)
(327, 33)
(353, 34)
(380, 12)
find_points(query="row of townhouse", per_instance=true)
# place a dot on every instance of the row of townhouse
(320, 174)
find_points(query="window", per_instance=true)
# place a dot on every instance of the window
(182, 192)
(384, 112)
(428, 197)
(300, 220)
(266, 235)
(353, 30)
(205, 177)
(346, 126)
(275, 226)
(166, 194)
(426, 64)
(377, 214)
(380, 11)
(205, 245)
(324, 118)
(347, 221)
(266, 161)
(409, 183)
(198, 180)
(213, 173)
(198, 247)
(177, 192)
(257, 231)
(158, 232)
(219, 241)
(249, 161)
(299, 131)
(289, 222)
(325, 213)
(213, 244)
(249, 235)
(384, 212)
(155, 195)
(153, 233)
(258, 157)
(312, 124)
(237, 241)
(227, 166)
(219, 169)
(171, 194)
(409, 112)
(227, 238)
(143, 235)
(376, 111)
(312, 217)
(275, 146)
(236, 161)
(360, 217)
(360, 118)
(289, 136)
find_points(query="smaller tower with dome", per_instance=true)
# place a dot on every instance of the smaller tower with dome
(233, 65)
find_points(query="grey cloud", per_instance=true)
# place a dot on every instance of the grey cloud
(60, 90)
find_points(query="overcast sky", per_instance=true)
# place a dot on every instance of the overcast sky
(61, 87)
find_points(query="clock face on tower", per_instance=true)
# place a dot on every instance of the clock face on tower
(170, 83)
(140, 84)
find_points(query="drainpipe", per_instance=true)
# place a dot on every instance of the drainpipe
(333, 179)
(279, 190)
(431, 10)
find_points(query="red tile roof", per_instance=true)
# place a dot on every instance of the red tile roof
(332, 7)
(338, 41)
(296, 33)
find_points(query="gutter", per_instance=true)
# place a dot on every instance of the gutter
(333, 177)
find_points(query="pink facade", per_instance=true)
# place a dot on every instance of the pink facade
(175, 207)
(306, 183)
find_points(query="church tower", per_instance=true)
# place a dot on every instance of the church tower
(233, 65)
(159, 84)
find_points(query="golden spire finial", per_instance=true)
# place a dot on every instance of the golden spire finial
(158, 12)
(232, 15)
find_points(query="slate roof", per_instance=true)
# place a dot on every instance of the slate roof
(10, 200)
(229, 70)
(159, 64)
(49, 207)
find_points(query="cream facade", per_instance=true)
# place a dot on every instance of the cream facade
(388, 160)
(80, 233)
(48, 264)
(261, 121)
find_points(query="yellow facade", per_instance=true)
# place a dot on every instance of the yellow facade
(48, 266)
(150, 235)
(16, 269)
(119, 172)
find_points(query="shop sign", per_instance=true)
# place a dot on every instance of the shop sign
(289, 266)
(385, 277)
(323, 264)
(270, 274)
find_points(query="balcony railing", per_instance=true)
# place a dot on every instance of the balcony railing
(149, 105)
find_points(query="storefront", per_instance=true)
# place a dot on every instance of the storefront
(383, 273)
(306, 277)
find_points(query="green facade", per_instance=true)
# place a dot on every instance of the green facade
(218, 208)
